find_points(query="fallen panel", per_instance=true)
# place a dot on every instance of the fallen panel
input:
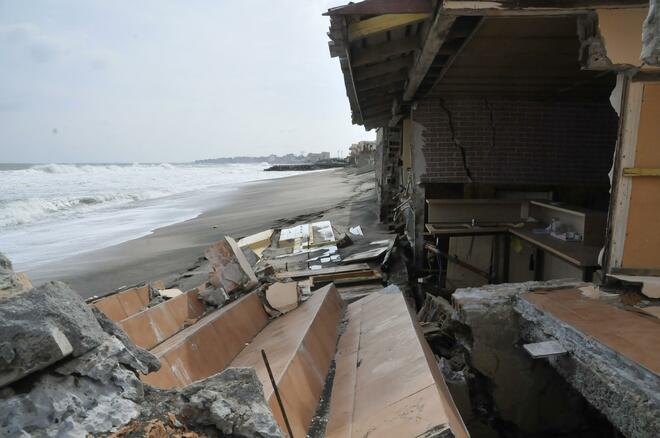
(230, 269)
(365, 255)
(387, 382)
(124, 304)
(300, 346)
(208, 346)
(156, 324)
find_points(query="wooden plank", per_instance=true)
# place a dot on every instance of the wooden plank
(434, 40)
(532, 7)
(330, 270)
(377, 7)
(390, 66)
(382, 23)
(574, 253)
(380, 52)
(381, 81)
(641, 171)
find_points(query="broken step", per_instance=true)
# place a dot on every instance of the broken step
(387, 382)
(208, 346)
(299, 346)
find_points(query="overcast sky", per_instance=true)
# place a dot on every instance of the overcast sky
(156, 80)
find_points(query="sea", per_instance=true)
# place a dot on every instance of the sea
(52, 211)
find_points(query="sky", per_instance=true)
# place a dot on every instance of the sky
(161, 80)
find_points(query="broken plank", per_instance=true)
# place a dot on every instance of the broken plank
(313, 272)
(344, 278)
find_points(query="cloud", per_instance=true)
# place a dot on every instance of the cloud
(42, 47)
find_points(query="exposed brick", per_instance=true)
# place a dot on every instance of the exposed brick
(530, 140)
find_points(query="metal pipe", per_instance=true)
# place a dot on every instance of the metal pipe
(277, 392)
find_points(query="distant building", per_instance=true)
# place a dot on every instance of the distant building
(362, 153)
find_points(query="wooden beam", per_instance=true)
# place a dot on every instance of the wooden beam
(641, 171)
(382, 23)
(381, 52)
(532, 7)
(381, 81)
(390, 66)
(378, 7)
(434, 39)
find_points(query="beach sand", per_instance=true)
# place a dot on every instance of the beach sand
(344, 196)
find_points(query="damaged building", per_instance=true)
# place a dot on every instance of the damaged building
(517, 154)
(506, 285)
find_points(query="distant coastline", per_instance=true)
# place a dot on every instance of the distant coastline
(311, 157)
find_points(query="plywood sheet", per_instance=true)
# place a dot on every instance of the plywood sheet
(299, 346)
(643, 228)
(386, 381)
(208, 346)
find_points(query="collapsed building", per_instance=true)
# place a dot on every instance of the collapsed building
(517, 154)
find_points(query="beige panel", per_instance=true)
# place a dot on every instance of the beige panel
(387, 382)
(642, 242)
(621, 30)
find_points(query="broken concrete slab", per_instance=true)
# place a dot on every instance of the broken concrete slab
(41, 326)
(231, 271)
(11, 282)
(283, 297)
(613, 360)
(526, 393)
(232, 401)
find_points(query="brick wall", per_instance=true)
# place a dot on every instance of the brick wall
(518, 140)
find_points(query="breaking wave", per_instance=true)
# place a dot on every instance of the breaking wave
(25, 211)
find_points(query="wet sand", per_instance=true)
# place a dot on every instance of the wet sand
(169, 251)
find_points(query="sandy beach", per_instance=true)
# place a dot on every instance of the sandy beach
(170, 251)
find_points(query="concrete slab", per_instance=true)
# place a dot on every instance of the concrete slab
(613, 358)
(300, 346)
(387, 382)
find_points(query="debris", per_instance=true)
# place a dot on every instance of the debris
(230, 269)
(651, 310)
(366, 255)
(320, 270)
(170, 293)
(11, 283)
(544, 349)
(650, 286)
(257, 242)
(345, 278)
(214, 296)
(283, 297)
(41, 326)
(356, 231)
(232, 401)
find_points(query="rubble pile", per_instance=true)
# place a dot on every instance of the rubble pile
(68, 370)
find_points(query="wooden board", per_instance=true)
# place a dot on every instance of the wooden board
(642, 238)
(573, 252)
(364, 256)
(331, 270)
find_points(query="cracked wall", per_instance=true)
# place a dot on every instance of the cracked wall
(516, 140)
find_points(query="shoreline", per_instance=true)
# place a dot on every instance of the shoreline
(168, 252)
